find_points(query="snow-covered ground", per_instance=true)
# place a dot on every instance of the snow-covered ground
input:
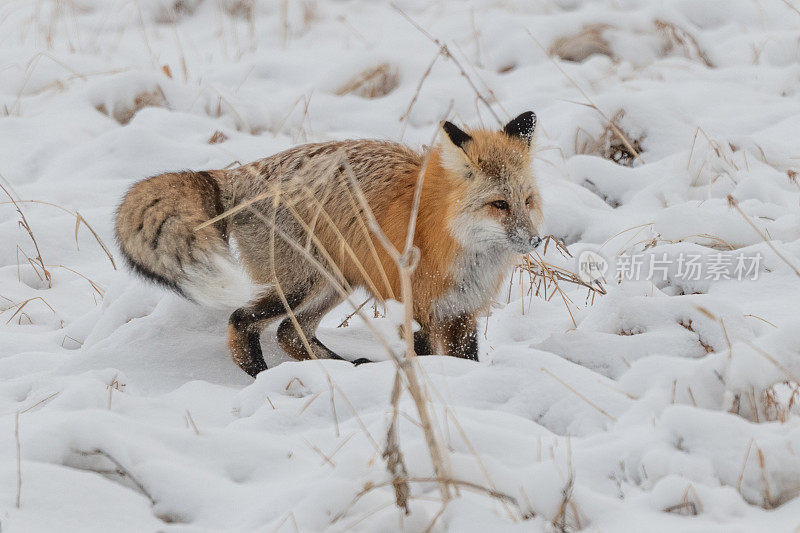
(668, 404)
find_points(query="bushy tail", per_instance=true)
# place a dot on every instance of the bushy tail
(156, 231)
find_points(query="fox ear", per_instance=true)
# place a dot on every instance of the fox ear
(456, 135)
(522, 127)
(454, 148)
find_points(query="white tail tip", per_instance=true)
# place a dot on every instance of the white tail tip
(219, 283)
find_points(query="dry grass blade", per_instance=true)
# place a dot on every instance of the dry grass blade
(24, 223)
(190, 422)
(349, 249)
(406, 263)
(452, 481)
(538, 268)
(744, 465)
(559, 521)
(444, 50)
(120, 470)
(393, 455)
(344, 323)
(675, 35)
(289, 515)
(552, 277)
(768, 502)
(372, 82)
(97, 288)
(788, 373)
(21, 305)
(735, 204)
(8, 185)
(40, 402)
(792, 7)
(610, 145)
(30, 68)
(579, 395)
(78, 221)
(279, 289)
(404, 118)
(579, 46)
(591, 103)
(485, 471)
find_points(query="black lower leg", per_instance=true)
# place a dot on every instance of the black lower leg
(245, 325)
(292, 341)
(253, 361)
(461, 337)
(423, 342)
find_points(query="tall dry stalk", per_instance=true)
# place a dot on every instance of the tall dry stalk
(406, 262)
(445, 51)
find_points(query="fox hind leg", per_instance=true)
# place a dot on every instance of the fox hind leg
(424, 342)
(308, 318)
(245, 326)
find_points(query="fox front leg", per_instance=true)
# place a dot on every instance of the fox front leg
(460, 336)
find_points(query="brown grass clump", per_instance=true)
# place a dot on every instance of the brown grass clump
(610, 144)
(38, 260)
(688, 325)
(217, 137)
(544, 278)
(774, 408)
(125, 113)
(579, 46)
(172, 13)
(373, 82)
(676, 37)
(241, 8)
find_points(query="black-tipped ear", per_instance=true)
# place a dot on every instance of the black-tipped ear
(457, 135)
(522, 126)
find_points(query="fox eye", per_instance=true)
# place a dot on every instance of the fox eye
(502, 205)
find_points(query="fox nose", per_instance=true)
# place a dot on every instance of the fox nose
(535, 241)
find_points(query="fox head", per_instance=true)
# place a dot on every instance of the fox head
(500, 205)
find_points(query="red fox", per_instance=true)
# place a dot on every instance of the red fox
(480, 208)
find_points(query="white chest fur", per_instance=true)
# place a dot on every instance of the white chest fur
(476, 275)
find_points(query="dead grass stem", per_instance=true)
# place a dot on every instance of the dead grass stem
(735, 204)
(623, 139)
(445, 51)
(78, 221)
(26, 226)
(120, 470)
(579, 395)
(372, 82)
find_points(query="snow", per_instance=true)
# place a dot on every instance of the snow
(669, 404)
